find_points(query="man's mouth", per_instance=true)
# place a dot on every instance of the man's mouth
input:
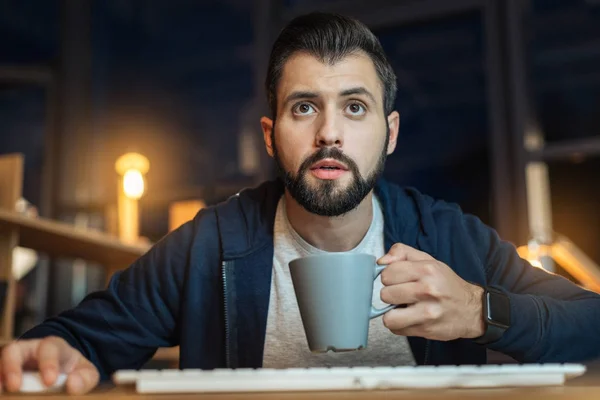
(328, 169)
(329, 165)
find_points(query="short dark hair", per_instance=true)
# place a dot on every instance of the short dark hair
(330, 38)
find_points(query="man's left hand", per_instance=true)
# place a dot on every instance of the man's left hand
(439, 304)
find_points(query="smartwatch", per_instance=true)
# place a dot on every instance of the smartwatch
(496, 315)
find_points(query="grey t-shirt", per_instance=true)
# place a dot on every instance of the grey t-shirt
(285, 343)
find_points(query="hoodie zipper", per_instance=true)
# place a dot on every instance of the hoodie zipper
(225, 309)
(426, 358)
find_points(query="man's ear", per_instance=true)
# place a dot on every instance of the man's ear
(394, 124)
(267, 127)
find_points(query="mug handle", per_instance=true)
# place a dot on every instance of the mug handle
(374, 311)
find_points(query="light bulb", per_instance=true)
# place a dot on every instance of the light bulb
(133, 184)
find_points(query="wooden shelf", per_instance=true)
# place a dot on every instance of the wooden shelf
(59, 239)
(27, 74)
(568, 149)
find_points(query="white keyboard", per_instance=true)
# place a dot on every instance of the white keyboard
(358, 378)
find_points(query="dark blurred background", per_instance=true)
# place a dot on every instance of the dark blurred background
(484, 87)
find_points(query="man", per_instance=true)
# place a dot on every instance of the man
(219, 286)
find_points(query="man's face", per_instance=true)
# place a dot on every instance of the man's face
(331, 137)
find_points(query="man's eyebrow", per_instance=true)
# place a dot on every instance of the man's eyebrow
(300, 94)
(358, 90)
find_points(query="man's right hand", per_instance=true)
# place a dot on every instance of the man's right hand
(50, 356)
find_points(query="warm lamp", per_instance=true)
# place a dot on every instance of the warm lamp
(131, 168)
(567, 255)
(547, 247)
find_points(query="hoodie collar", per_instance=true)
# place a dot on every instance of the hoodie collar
(246, 220)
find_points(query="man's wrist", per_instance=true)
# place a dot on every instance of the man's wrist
(476, 326)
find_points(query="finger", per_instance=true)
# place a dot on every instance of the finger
(12, 361)
(420, 313)
(401, 318)
(402, 294)
(402, 252)
(400, 272)
(49, 360)
(84, 377)
(419, 330)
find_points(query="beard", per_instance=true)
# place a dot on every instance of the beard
(326, 197)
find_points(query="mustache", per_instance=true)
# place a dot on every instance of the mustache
(328, 152)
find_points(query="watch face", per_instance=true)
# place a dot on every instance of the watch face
(498, 309)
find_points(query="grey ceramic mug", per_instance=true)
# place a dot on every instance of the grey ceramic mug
(334, 293)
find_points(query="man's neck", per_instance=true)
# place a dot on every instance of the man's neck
(332, 234)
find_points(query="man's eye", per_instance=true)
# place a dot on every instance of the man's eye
(303, 109)
(355, 109)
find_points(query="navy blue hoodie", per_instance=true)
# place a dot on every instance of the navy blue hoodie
(206, 288)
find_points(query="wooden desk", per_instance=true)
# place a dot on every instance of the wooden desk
(546, 393)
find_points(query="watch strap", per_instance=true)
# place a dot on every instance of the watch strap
(493, 330)
(492, 334)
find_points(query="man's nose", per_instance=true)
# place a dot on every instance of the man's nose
(329, 132)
